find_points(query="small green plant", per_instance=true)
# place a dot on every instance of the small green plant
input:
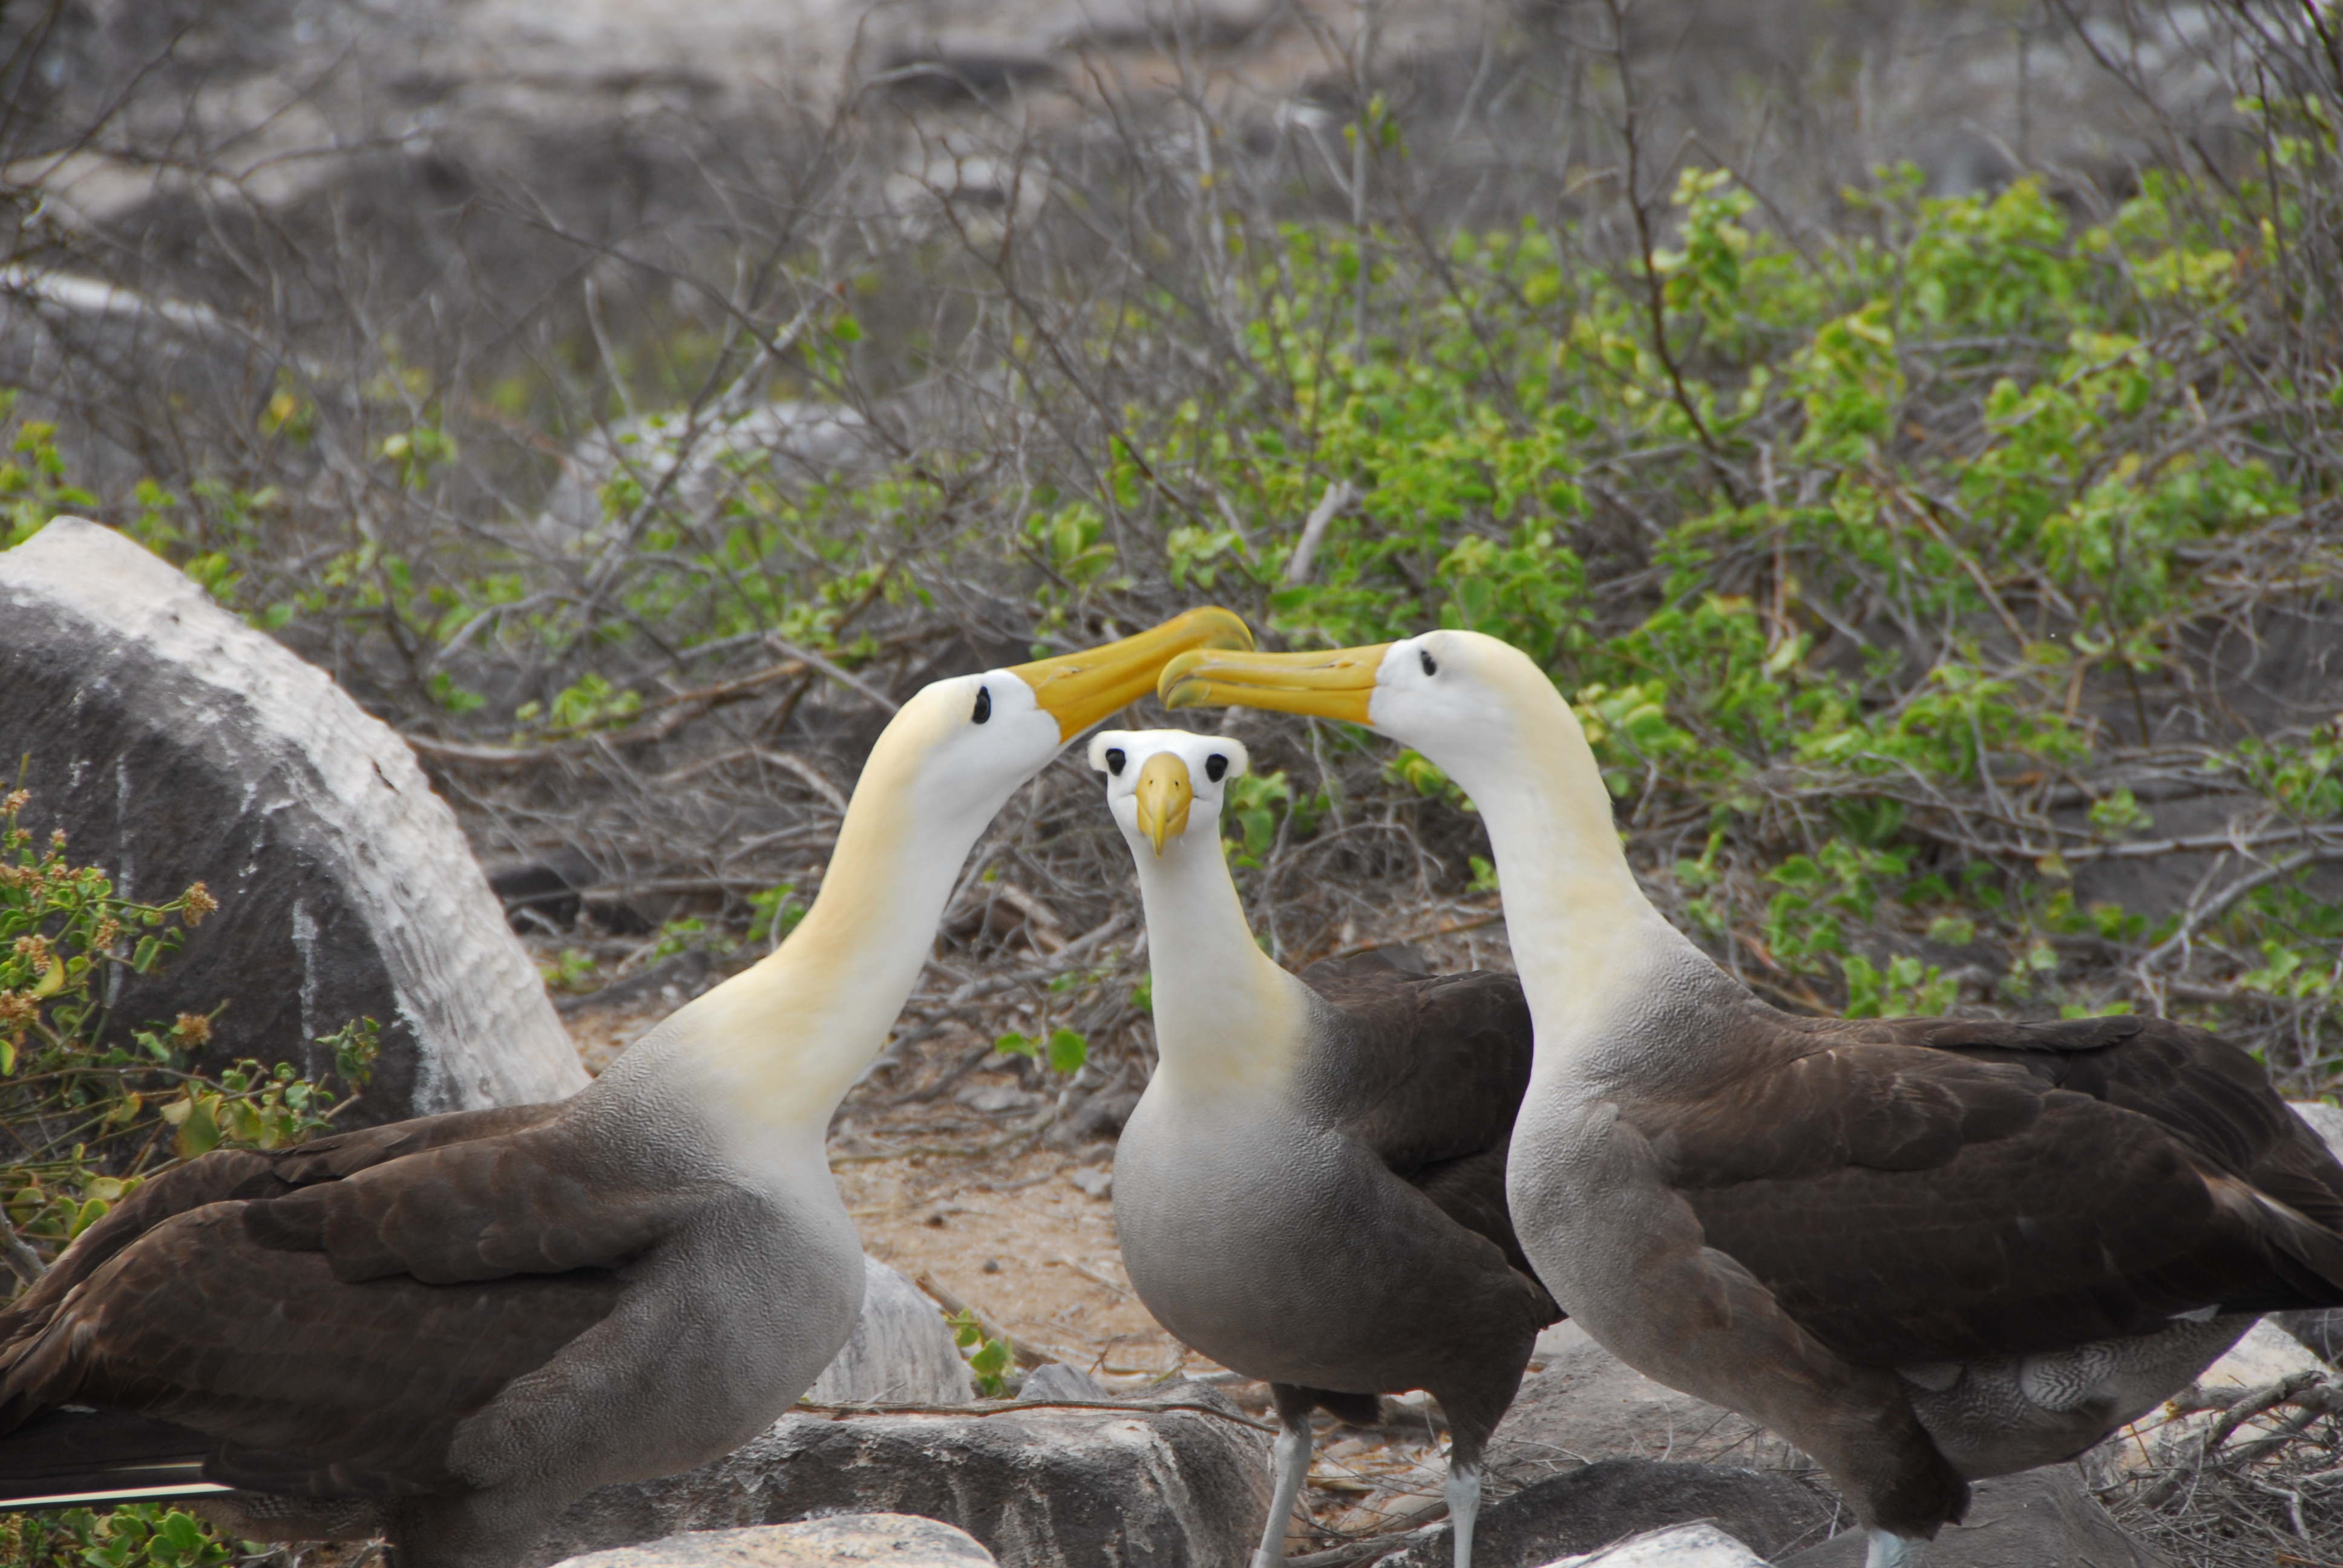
(32, 485)
(989, 1360)
(1905, 988)
(775, 912)
(1065, 1050)
(574, 971)
(685, 933)
(135, 1535)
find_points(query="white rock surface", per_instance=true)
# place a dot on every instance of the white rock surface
(177, 743)
(1678, 1546)
(2265, 1355)
(890, 1539)
(901, 1352)
(2326, 1121)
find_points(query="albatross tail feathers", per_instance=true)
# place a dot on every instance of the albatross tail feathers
(75, 1457)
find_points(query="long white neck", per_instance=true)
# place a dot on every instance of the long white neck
(770, 1053)
(1586, 941)
(1228, 1019)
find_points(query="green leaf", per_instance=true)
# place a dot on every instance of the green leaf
(1068, 1051)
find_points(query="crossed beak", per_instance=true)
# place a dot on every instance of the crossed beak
(1164, 793)
(1078, 689)
(1340, 684)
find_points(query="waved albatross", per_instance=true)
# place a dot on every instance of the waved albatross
(1311, 1189)
(1925, 1250)
(453, 1326)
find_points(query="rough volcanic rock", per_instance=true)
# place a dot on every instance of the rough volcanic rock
(901, 1352)
(1590, 1508)
(1061, 1381)
(890, 1539)
(1041, 1488)
(2320, 1330)
(1588, 1405)
(2030, 1521)
(175, 744)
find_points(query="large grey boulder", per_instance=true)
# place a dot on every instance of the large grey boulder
(888, 1540)
(1041, 1488)
(2030, 1521)
(1590, 1508)
(901, 1352)
(1588, 1405)
(175, 744)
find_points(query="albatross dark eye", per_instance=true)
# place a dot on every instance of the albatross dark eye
(1431, 665)
(983, 703)
(1114, 760)
(1216, 766)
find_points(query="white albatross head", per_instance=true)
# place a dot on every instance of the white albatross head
(960, 748)
(1584, 936)
(1161, 783)
(1466, 701)
(778, 1045)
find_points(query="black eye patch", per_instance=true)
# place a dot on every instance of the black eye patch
(1216, 766)
(983, 703)
(1431, 666)
(1114, 760)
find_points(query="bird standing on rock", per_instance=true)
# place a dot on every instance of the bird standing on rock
(1311, 1189)
(1923, 1249)
(451, 1328)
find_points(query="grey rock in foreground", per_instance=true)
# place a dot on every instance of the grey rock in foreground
(1589, 1509)
(1059, 1381)
(1041, 1488)
(2030, 1521)
(1679, 1546)
(1588, 1405)
(890, 1539)
(175, 744)
(901, 1352)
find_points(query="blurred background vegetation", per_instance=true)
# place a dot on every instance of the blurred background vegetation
(1942, 547)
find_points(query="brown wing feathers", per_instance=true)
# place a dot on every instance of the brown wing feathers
(476, 1211)
(1430, 1074)
(237, 1174)
(327, 1314)
(1922, 1189)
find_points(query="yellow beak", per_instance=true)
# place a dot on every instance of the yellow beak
(1336, 685)
(1079, 689)
(1163, 794)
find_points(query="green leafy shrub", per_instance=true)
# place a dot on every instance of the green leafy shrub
(135, 1535)
(91, 1107)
